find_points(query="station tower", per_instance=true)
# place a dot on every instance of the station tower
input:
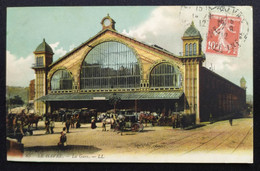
(43, 58)
(192, 58)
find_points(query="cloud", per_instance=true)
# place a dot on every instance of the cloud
(18, 70)
(161, 28)
(72, 47)
(58, 51)
(166, 26)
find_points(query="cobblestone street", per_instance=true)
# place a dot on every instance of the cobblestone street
(218, 142)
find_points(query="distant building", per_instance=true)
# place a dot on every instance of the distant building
(32, 90)
(243, 83)
(144, 77)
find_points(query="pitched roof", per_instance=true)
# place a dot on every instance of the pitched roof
(44, 47)
(156, 48)
(192, 31)
(242, 79)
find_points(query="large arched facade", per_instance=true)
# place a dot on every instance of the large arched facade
(145, 77)
(165, 75)
(110, 64)
(61, 80)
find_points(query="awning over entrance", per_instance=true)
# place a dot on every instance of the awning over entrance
(107, 96)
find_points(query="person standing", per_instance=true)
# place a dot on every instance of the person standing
(104, 125)
(63, 118)
(93, 123)
(174, 122)
(52, 125)
(18, 130)
(230, 121)
(67, 124)
(78, 122)
(121, 125)
(182, 121)
(47, 125)
(63, 138)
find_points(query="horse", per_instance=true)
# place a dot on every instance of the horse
(147, 118)
(168, 120)
(106, 121)
(101, 117)
(33, 119)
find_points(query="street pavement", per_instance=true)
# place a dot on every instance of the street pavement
(213, 143)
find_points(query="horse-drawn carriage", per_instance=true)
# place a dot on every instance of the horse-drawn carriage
(174, 120)
(122, 120)
(131, 123)
(131, 120)
(147, 117)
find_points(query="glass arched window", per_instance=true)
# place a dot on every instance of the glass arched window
(110, 65)
(190, 50)
(194, 49)
(186, 49)
(61, 80)
(165, 75)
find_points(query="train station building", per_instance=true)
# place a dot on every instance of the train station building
(145, 77)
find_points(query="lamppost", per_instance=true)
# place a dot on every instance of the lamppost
(176, 106)
(114, 100)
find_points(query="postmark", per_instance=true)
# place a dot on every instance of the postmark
(223, 35)
(201, 17)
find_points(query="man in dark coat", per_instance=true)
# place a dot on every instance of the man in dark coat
(63, 138)
(230, 121)
(183, 121)
(67, 124)
(47, 125)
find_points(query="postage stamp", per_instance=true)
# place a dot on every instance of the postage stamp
(223, 35)
(201, 15)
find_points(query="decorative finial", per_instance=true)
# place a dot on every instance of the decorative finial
(43, 39)
(108, 14)
(192, 23)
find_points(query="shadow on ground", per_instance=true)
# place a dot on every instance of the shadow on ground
(147, 130)
(69, 149)
(129, 132)
(45, 134)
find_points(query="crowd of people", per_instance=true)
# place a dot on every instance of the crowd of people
(16, 123)
(49, 125)
(70, 123)
(73, 121)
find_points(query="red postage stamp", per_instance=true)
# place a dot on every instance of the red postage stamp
(223, 35)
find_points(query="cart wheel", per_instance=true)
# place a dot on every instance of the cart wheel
(135, 127)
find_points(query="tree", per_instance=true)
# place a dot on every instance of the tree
(16, 100)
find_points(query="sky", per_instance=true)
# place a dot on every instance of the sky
(65, 28)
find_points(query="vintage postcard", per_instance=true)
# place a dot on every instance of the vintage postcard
(160, 84)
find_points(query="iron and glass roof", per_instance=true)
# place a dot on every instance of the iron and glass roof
(107, 96)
